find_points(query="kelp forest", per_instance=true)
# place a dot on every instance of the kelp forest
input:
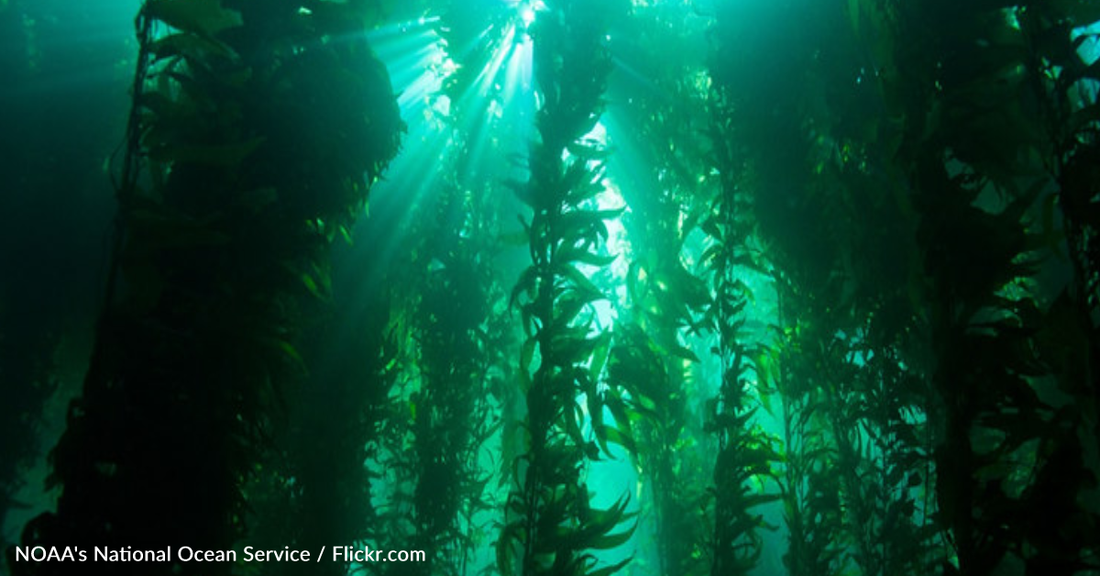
(550, 287)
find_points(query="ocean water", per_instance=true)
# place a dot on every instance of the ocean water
(648, 287)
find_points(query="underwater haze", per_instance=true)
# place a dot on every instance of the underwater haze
(550, 287)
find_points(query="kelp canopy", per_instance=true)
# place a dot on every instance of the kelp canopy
(551, 287)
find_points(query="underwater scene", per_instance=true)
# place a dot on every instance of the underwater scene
(550, 287)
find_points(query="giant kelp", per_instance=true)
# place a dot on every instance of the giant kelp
(551, 525)
(851, 329)
(224, 218)
(974, 163)
(745, 454)
(448, 291)
(651, 360)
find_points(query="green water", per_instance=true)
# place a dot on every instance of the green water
(534, 287)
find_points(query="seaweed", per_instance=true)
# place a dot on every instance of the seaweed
(822, 277)
(746, 456)
(551, 527)
(654, 360)
(449, 289)
(223, 227)
(982, 258)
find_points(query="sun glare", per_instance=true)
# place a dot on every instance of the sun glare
(527, 14)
